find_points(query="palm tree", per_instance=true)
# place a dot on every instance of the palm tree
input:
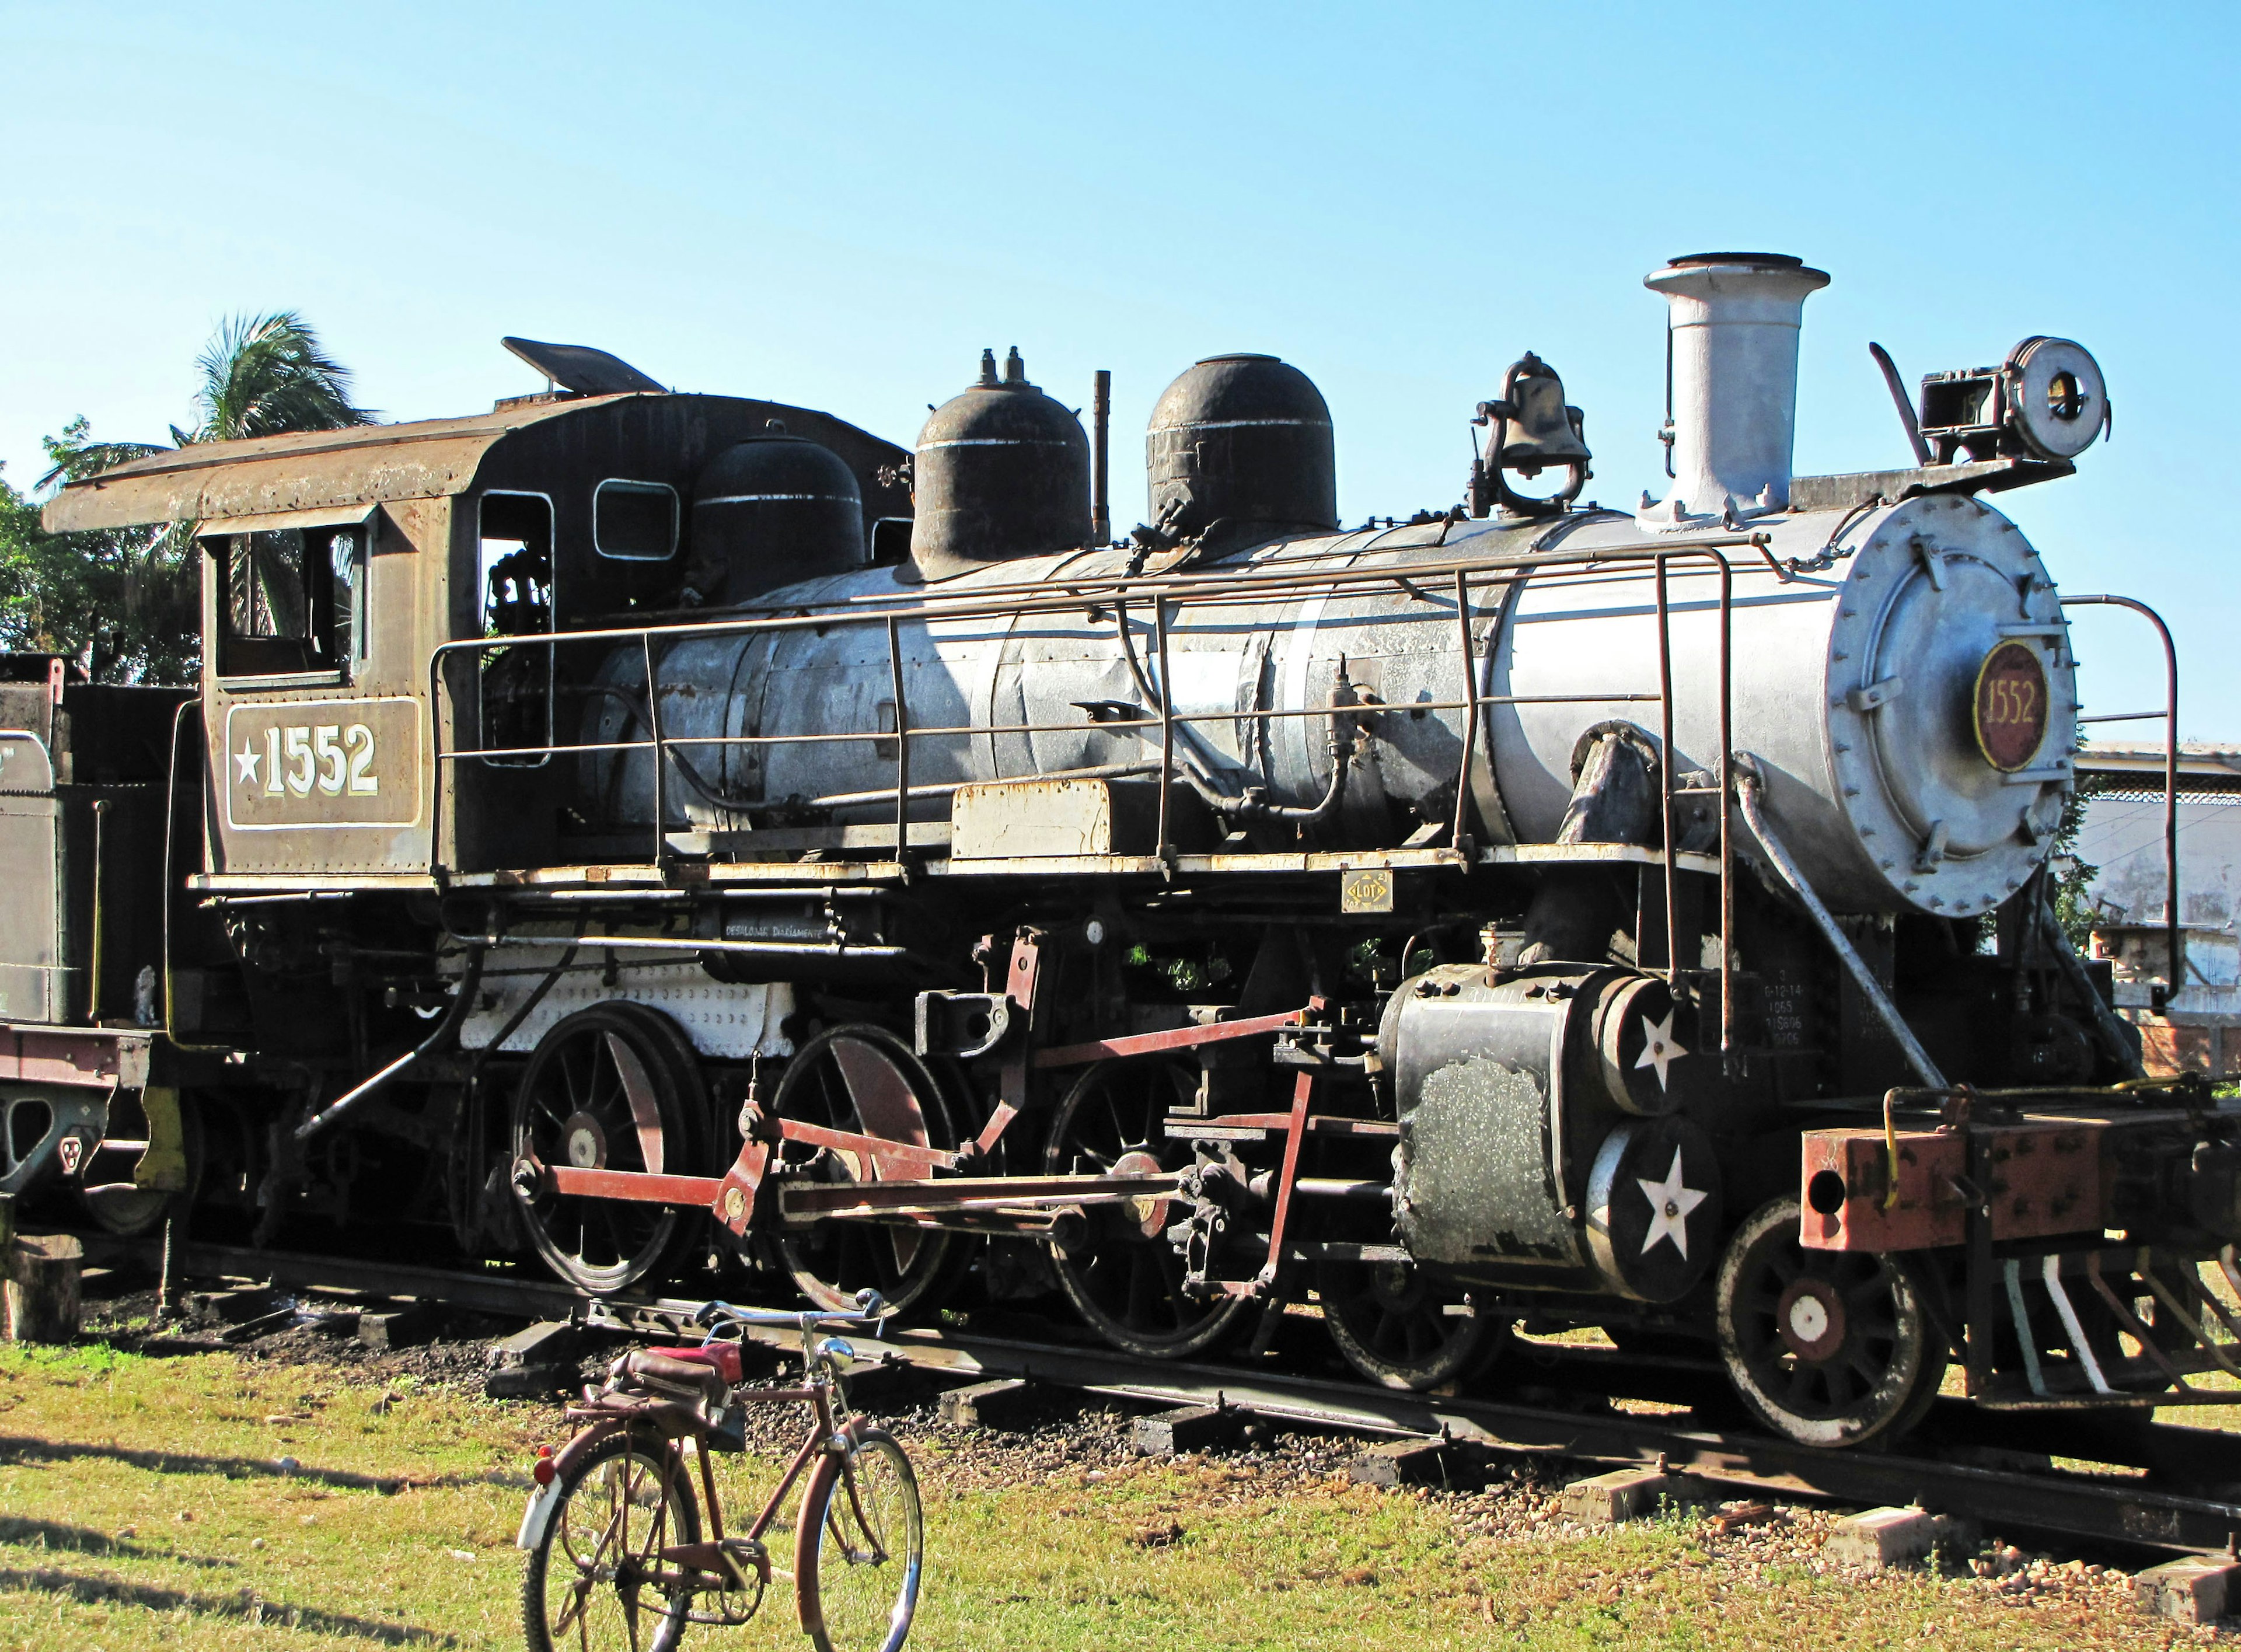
(265, 376)
(129, 606)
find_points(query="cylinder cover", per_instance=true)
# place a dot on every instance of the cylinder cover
(1241, 438)
(1002, 472)
(769, 511)
(1527, 1157)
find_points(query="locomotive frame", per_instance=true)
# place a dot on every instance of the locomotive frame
(1660, 979)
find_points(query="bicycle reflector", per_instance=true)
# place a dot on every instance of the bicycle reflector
(542, 1471)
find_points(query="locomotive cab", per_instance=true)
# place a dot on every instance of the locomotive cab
(337, 562)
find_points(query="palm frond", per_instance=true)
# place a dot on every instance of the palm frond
(74, 455)
(266, 375)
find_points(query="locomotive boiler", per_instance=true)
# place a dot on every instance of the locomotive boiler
(652, 832)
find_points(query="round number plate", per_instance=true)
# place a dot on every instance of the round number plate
(2011, 710)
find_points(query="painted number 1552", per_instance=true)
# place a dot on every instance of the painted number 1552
(325, 756)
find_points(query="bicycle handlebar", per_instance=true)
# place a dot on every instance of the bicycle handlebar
(870, 1307)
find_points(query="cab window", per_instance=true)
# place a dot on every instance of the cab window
(515, 568)
(293, 602)
(634, 521)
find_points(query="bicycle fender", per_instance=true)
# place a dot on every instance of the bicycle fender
(544, 1503)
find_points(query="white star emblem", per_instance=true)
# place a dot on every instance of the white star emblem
(1660, 1048)
(1670, 1201)
(245, 760)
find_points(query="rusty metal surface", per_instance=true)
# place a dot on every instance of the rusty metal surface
(96, 1058)
(314, 470)
(2050, 1177)
(376, 464)
(1181, 1038)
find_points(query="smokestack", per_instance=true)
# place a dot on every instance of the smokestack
(1734, 318)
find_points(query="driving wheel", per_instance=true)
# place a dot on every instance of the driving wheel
(865, 1080)
(1828, 1348)
(1395, 1327)
(172, 1127)
(614, 1086)
(1125, 1277)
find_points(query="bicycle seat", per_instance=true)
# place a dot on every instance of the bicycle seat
(675, 1418)
(724, 1356)
(670, 1377)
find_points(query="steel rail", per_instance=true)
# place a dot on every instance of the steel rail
(2095, 1508)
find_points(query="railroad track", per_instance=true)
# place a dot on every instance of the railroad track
(2166, 1486)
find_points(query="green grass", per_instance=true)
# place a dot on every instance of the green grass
(140, 1508)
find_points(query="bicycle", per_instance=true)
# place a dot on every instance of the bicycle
(614, 1529)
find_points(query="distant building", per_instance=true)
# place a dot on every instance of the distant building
(2123, 835)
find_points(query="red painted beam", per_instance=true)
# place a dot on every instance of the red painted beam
(1181, 1038)
(633, 1186)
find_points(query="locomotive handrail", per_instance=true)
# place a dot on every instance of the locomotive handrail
(1165, 592)
(2173, 940)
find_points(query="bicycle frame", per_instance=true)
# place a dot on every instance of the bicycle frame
(709, 1564)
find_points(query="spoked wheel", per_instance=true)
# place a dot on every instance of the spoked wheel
(859, 1550)
(1828, 1348)
(865, 1080)
(1397, 1328)
(118, 1206)
(1127, 1280)
(611, 1087)
(591, 1583)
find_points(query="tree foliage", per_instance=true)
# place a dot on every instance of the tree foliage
(265, 376)
(125, 602)
(122, 601)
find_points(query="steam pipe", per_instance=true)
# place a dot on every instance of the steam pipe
(1100, 431)
(1747, 793)
(447, 1032)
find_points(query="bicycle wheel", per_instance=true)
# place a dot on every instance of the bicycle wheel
(588, 1583)
(860, 1549)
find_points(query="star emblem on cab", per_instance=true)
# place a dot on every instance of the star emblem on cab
(1660, 1048)
(1670, 1201)
(245, 761)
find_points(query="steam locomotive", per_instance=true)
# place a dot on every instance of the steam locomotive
(649, 832)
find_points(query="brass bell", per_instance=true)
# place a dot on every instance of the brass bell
(1533, 430)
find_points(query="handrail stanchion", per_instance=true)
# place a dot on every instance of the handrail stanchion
(435, 761)
(902, 744)
(654, 732)
(1726, 803)
(2171, 937)
(1166, 725)
(1665, 767)
(1455, 838)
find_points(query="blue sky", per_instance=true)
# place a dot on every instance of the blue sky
(841, 206)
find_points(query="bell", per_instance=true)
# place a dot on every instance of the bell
(1537, 428)
(1533, 430)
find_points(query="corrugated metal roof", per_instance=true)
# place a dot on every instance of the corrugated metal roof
(311, 471)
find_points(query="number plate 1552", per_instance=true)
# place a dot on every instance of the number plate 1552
(321, 763)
